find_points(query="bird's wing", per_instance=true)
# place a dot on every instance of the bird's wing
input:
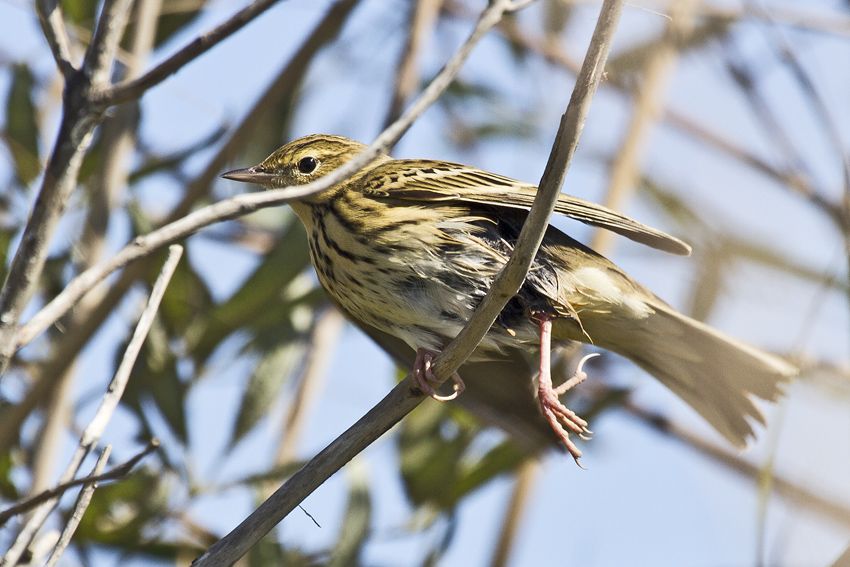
(437, 181)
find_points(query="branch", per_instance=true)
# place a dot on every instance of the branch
(53, 28)
(247, 203)
(79, 119)
(404, 397)
(135, 88)
(108, 403)
(80, 507)
(57, 491)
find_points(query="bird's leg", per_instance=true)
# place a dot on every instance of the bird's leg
(561, 419)
(424, 377)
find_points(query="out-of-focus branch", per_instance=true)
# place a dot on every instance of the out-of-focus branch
(647, 107)
(404, 398)
(57, 491)
(827, 507)
(423, 16)
(79, 119)
(134, 88)
(80, 507)
(109, 402)
(53, 28)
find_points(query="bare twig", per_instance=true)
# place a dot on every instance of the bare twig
(647, 107)
(57, 491)
(80, 507)
(60, 177)
(404, 397)
(134, 88)
(108, 403)
(53, 27)
(247, 203)
(423, 16)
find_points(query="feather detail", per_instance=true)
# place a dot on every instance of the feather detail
(444, 182)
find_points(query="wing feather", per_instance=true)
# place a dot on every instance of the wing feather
(437, 181)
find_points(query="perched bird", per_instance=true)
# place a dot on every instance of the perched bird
(409, 247)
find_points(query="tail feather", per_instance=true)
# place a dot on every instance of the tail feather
(716, 375)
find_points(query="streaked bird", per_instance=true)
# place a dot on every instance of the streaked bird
(410, 247)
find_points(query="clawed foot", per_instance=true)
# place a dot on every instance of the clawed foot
(425, 379)
(561, 419)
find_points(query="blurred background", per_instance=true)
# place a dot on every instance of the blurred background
(723, 122)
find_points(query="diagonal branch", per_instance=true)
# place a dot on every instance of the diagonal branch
(53, 28)
(404, 397)
(57, 491)
(134, 88)
(108, 403)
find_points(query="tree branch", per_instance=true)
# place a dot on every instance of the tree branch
(53, 28)
(134, 88)
(108, 403)
(404, 397)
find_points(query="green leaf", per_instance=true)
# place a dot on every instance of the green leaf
(8, 490)
(186, 299)
(22, 126)
(264, 386)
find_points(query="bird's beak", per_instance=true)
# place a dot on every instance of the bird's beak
(250, 175)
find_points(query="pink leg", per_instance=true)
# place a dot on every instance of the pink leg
(561, 419)
(424, 377)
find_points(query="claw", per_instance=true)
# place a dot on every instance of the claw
(424, 377)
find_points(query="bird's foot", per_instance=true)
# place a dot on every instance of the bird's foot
(425, 379)
(561, 419)
(578, 376)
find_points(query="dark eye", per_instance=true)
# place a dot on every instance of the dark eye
(308, 164)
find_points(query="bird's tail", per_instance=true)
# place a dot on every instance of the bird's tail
(716, 375)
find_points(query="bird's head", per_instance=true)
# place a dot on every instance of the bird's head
(301, 161)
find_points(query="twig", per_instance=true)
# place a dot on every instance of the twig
(134, 88)
(404, 397)
(423, 16)
(647, 107)
(108, 403)
(241, 205)
(80, 507)
(57, 491)
(79, 118)
(53, 28)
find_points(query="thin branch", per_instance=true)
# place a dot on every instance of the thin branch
(404, 397)
(108, 403)
(250, 202)
(53, 28)
(57, 491)
(135, 88)
(423, 16)
(80, 507)
(79, 119)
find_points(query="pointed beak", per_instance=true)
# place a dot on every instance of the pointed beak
(251, 175)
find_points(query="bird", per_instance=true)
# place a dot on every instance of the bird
(411, 246)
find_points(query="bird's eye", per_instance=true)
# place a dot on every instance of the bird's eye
(308, 164)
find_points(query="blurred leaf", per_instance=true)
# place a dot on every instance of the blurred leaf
(21, 125)
(80, 13)
(501, 459)
(261, 293)
(155, 377)
(186, 298)
(169, 163)
(264, 386)
(172, 20)
(122, 513)
(270, 552)
(8, 490)
(430, 454)
(556, 16)
(277, 473)
(355, 523)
